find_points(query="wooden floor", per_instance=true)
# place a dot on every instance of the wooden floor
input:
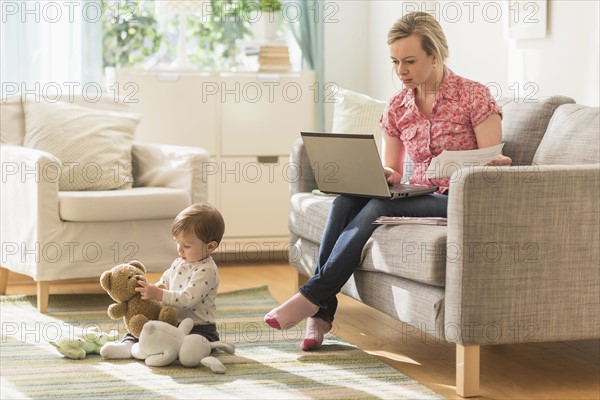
(564, 370)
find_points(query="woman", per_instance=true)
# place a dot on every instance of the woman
(436, 110)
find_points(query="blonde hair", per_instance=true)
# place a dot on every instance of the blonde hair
(204, 220)
(433, 40)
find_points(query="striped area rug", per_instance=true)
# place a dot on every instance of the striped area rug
(268, 364)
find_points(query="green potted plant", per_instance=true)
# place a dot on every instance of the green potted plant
(130, 33)
(217, 35)
(269, 5)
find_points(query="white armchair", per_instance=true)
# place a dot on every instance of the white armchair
(52, 235)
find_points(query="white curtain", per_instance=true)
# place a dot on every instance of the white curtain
(45, 45)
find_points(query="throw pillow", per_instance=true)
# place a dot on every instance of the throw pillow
(94, 146)
(571, 137)
(357, 113)
(524, 125)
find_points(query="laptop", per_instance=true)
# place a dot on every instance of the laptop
(350, 164)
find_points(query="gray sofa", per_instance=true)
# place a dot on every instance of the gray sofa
(519, 259)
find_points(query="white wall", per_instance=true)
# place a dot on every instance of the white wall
(382, 81)
(477, 48)
(347, 39)
(565, 62)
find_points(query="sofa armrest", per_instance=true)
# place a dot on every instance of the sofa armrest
(29, 199)
(523, 259)
(180, 167)
(304, 180)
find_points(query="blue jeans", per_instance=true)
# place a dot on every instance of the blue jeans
(349, 227)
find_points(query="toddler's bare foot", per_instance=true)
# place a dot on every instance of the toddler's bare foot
(316, 329)
(290, 313)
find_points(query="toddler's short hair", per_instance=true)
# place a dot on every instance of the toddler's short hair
(204, 220)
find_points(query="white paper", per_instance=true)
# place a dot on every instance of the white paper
(449, 161)
(410, 220)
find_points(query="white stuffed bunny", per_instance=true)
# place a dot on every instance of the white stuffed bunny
(161, 344)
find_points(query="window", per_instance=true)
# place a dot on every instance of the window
(147, 33)
(67, 44)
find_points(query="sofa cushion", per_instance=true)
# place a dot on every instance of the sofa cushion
(12, 123)
(573, 137)
(357, 113)
(94, 146)
(416, 252)
(308, 215)
(122, 205)
(524, 124)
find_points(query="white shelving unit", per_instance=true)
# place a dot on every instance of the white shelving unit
(247, 122)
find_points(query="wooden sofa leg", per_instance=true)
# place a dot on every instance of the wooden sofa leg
(3, 280)
(467, 370)
(43, 292)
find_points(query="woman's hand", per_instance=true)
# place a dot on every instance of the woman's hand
(500, 161)
(392, 176)
(149, 291)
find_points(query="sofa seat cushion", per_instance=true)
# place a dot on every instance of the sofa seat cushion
(122, 205)
(308, 215)
(416, 252)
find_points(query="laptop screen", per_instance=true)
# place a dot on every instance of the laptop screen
(346, 164)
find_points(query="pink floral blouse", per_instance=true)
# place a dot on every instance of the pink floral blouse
(459, 106)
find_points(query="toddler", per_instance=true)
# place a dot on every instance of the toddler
(190, 284)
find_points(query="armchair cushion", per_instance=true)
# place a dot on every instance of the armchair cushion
(94, 146)
(122, 205)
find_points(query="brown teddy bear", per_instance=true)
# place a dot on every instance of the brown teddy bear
(120, 283)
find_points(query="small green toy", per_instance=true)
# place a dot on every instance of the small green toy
(89, 341)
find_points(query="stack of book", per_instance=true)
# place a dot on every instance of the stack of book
(265, 56)
(274, 57)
